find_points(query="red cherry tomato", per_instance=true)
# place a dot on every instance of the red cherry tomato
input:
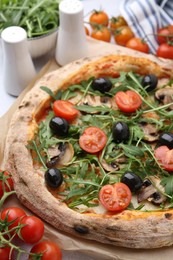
(138, 45)
(163, 32)
(128, 101)
(164, 155)
(117, 22)
(102, 34)
(93, 139)
(99, 17)
(122, 35)
(115, 197)
(65, 109)
(33, 230)
(87, 30)
(49, 250)
(165, 51)
(8, 184)
(13, 214)
(5, 253)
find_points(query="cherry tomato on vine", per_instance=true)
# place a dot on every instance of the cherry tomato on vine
(87, 30)
(138, 44)
(101, 33)
(5, 253)
(65, 109)
(33, 230)
(93, 139)
(128, 101)
(99, 17)
(164, 155)
(117, 22)
(163, 33)
(122, 35)
(115, 197)
(13, 214)
(49, 249)
(8, 184)
(165, 51)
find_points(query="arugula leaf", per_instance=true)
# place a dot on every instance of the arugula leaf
(167, 182)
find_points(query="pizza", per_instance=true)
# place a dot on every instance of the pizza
(90, 149)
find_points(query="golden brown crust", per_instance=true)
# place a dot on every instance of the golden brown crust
(132, 229)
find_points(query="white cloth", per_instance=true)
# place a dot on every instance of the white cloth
(145, 17)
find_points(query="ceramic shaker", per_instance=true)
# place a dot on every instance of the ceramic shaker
(71, 42)
(18, 68)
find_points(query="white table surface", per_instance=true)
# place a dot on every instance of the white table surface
(6, 100)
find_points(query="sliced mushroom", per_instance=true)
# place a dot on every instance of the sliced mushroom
(95, 101)
(60, 155)
(150, 132)
(151, 191)
(113, 166)
(165, 96)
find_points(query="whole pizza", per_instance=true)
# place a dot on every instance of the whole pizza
(90, 149)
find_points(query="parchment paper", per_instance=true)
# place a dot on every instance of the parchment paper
(67, 242)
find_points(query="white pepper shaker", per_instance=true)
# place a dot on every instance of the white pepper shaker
(18, 68)
(71, 42)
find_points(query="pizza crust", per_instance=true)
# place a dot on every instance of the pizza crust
(133, 229)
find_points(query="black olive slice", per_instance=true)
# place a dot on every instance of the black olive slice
(149, 82)
(59, 126)
(53, 178)
(166, 139)
(120, 132)
(132, 180)
(101, 84)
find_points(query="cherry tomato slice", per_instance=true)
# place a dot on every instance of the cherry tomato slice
(93, 139)
(128, 101)
(164, 155)
(49, 250)
(65, 109)
(115, 197)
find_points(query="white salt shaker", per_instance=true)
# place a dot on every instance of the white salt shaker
(18, 68)
(71, 42)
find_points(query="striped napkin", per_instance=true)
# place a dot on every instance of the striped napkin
(145, 17)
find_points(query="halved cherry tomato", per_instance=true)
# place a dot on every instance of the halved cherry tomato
(138, 44)
(8, 182)
(101, 33)
(164, 155)
(93, 139)
(33, 230)
(49, 250)
(122, 35)
(163, 33)
(13, 214)
(99, 17)
(165, 51)
(117, 22)
(65, 109)
(128, 101)
(115, 197)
